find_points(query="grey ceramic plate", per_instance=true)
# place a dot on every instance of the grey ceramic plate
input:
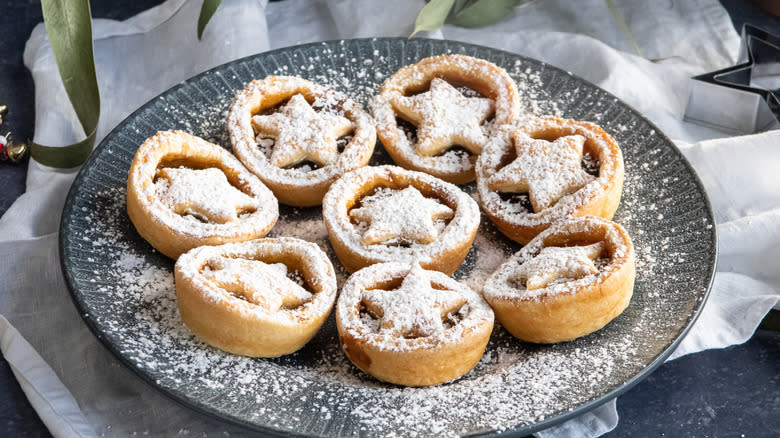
(125, 291)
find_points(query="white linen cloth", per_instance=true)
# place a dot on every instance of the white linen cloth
(80, 389)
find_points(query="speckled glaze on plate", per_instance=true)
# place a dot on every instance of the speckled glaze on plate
(124, 289)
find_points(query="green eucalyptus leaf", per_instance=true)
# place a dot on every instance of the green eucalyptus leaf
(69, 25)
(621, 22)
(63, 157)
(459, 4)
(206, 12)
(432, 16)
(485, 12)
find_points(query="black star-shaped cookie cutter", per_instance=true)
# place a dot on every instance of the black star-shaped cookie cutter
(744, 98)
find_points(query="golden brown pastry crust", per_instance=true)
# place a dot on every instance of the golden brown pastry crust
(599, 197)
(237, 321)
(489, 80)
(440, 354)
(293, 186)
(445, 253)
(565, 310)
(172, 233)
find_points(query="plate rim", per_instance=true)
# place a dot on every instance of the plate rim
(181, 398)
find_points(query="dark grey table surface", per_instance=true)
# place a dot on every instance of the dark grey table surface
(734, 392)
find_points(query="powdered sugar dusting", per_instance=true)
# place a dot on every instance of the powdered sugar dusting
(192, 202)
(403, 216)
(457, 231)
(260, 283)
(301, 130)
(513, 384)
(427, 310)
(316, 390)
(443, 118)
(552, 198)
(205, 194)
(538, 270)
(545, 170)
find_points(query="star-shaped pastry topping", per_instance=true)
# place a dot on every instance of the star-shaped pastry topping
(203, 193)
(263, 284)
(302, 133)
(414, 310)
(545, 170)
(405, 214)
(558, 263)
(444, 117)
